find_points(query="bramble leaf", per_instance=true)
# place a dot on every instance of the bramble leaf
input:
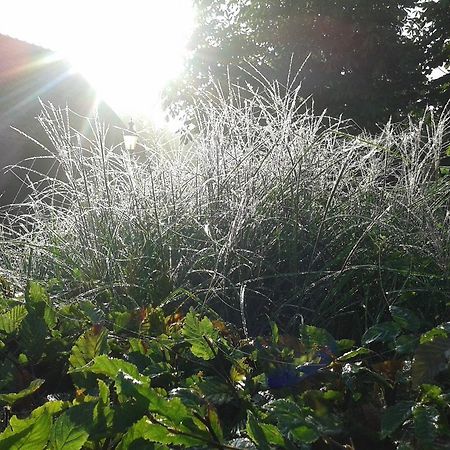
(10, 321)
(201, 335)
(67, 435)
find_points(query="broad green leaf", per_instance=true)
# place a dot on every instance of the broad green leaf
(394, 417)
(135, 433)
(27, 434)
(425, 425)
(406, 344)
(255, 432)
(287, 413)
(104, 365)
(304, 434)
(215, 391)
(405, 318)
(155, 432)
(67, 435)
(201, 335)
(429, 360)
(51, 407)
(383, 332)
(11, 398)
(10, 321)
(272, 434)
(36, 294)
(313, 338)
(89, 345)
(361, 351)
(435, 333)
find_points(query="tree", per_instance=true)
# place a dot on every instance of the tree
(431, 29)
(359, 64)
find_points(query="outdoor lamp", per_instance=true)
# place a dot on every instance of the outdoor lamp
(130, 137)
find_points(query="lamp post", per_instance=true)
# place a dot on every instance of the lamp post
(130, 137)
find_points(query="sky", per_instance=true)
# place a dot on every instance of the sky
(128, 50)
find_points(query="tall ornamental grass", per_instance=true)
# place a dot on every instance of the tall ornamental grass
(267, 210)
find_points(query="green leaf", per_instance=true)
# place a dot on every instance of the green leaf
(11, 398)
(36, 294)
(394, 417)
(10, 321)
(383, 332)
(104, 365)
(431, 335)
(27, 434)
(215, 391)
(405, 318)
(361, 351)
(304, 434)
(273, 434)
(425, 424)
(89, 345)
(429, 360)
(201, 335)
(155, 432)
(313, 338)
(255, 432)
(67, 435)
(135, 433)
(275, 333)
(214, 422)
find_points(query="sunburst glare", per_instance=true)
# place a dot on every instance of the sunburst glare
(128, 51)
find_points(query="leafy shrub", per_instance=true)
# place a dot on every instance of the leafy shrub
(144, 379)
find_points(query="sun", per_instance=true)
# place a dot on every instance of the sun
(128, 50)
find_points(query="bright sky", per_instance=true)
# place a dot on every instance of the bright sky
(128, 49)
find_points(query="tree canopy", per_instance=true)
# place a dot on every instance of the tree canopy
(362, 61)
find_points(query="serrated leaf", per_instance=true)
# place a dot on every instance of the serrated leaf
(405, 318)
(10, 321)
(429, 360)
(255, 432)
(27, 434)
(215, 391)
(67, 435)
(104, 365)
(394, 417)
(36, 294)
(90, 344)
(13, 397)
(155, 432)
(201, 335)
(425, 424)
(383, 332)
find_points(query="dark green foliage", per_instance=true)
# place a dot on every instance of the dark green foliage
(212, 390)
(359, 62)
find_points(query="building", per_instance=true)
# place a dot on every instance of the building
(29, 73)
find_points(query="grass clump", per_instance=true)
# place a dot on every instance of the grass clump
(269, 210)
